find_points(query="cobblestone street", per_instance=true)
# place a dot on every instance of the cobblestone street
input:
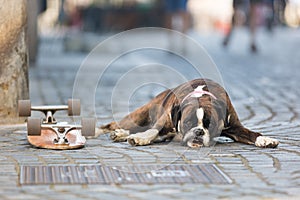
(264, 89)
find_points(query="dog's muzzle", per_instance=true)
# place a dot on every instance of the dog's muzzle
(196, 137)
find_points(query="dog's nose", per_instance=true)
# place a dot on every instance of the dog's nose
(198, 132)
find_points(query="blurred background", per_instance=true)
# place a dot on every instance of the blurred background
(70, 18)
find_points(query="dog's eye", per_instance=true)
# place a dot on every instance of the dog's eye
(206, 122)
(187, 125)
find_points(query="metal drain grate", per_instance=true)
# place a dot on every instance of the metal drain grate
(138, 174)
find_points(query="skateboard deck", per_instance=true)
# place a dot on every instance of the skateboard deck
(47, 137)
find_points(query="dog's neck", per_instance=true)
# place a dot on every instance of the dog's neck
(198, 92)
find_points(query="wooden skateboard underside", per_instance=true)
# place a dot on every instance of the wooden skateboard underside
(47, 137)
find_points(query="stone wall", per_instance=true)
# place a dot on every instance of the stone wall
(13, 58)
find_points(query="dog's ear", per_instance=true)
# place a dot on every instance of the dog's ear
(176, 115)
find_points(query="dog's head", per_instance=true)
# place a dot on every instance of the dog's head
(199, 120)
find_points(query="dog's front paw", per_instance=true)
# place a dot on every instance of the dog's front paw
(143, 138)
(266, 142)
(133, 140)
(119, 135)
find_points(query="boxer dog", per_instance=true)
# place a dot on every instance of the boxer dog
(196, 111)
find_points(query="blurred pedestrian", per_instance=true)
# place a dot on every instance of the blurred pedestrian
(279, 11)
(252, 6)
(238, 5)
(177, 16)
(270, 14)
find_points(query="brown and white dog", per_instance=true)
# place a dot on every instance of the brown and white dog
(198, 111)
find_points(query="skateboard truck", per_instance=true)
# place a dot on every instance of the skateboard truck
(49, 133)
(61, 135)
(61, 130)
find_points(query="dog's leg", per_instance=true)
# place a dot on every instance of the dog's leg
(137, 125)
(109, 127)
(150, 136)
(168, 137)
(137, 121)
(243, 135)
(163, 125)
(119, 135)
(143, 138)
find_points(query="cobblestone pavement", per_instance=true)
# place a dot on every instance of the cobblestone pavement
(264, 89)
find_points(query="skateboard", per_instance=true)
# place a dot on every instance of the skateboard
(48, 133)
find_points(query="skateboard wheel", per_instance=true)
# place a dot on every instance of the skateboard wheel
(34, 126)
(88, 126)
(73, 107)
(24, 108)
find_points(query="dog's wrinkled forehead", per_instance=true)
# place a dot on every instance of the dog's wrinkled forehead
(192, 114)
(190, 106)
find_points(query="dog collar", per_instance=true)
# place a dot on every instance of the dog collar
(198, 92)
